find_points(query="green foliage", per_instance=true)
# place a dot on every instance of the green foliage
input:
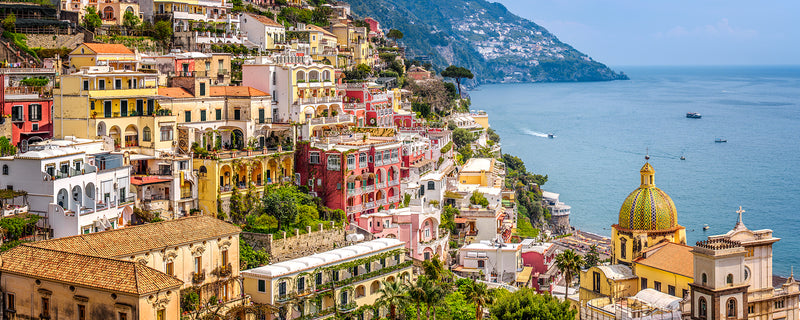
(526, 304)
(457, 308)
(592, 258)
(360, 72)
(91, 20)
(20, 40)
(493, 136)
(130, 20)
(392, 295)
(6, 147)
(281, 203)
(448, 218)
(457, 73)
(423, 109)
(478, 198)
(18, 226)
(10, 22)
(162, 31)
(525, 229)
(35, 82)
(362, 24)
(463, 137)
(526, 186)
(569, 263)
(250, 258)
(452, 92)
(394, 34)
(190, 300)
(477, 293)
(8, 245)
(406, 199)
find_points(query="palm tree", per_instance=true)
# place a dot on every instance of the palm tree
(392, 294)
(417, 293)
(433, 268)
(478, 293)
(570, 264)
(434, 296)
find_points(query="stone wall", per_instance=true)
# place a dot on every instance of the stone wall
(54, 41)
(297, 245)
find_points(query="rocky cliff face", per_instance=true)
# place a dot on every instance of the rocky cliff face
(484, 37)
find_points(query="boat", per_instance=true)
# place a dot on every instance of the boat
(720, 140)
(683, 158)
(693, 115)
(551, 136)
(705, 227)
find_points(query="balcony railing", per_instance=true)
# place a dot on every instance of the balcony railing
(369, 205)
(337, 119)
(381, 202)
(394, 199)
(354, 209)
(199, 277)
(313, 100)
(380, 185)
(354, 106)
(354, 192)
(226, 188)
(368, 188)
(394, 182)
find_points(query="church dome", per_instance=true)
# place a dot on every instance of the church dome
(648, 208)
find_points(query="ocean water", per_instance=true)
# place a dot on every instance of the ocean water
(604, 129)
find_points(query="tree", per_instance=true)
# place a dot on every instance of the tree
(10, 22)
(457, 307)
(448, 218)
(91, 20)
(526, 304)
(434, 296)
(162, 31)
(392, 295)
(394, 34)
(6, 148)
(422, 108)
(462, 137)
(570, 264)
(130, 20)
(457, 73)
(592, 258)
(417, 293)
(250, 258)
(281, 203)
(434, 269)
(478, 198)
(478, 293)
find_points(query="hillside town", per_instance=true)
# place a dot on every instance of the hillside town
(285, 160)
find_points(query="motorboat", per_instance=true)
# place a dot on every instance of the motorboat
(720, 140)
(693, 115)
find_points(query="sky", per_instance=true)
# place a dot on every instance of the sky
(672, 32)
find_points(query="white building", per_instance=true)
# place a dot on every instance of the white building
(263, 31)
(499, 262)
(73, 184)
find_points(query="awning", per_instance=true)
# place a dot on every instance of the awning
(137, 157)
(525, 275)
(140, 181)
(462, 269)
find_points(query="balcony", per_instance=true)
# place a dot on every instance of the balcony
(348, 307)
(381, 202)
(198, 277)
(394, 199)
(314, 84)
(337, 119)
(226, 188)
(380, 185)
(314, 100)
(354, 209)
(354, 106)
(368, 188)
(369, 205)
(393, 183)
(354, 192)
(223, 271)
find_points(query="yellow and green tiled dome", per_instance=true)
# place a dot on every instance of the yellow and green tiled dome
(648, 208)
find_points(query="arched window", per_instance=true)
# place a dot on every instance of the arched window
(729, 279)
(5, 169)
(146, 134)
(108, 13)
(431, 185)
(203, 171)
(703, 308)
(731, 307)
(704, 279)
(623, 247)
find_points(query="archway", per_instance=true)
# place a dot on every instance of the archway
(101, 129)
(237, 139)
(62, 198)
(108, 13)
(131, 136)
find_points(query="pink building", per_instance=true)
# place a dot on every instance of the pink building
(372, 106)
(374, 25)
(415, 225)
(542, 258)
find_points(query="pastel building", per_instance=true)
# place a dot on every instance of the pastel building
(540, 257)
(321, 284)
(26, 110)
(74, 184)
(416, 225)
(357, 173)
(485, 172)
(115, 56)
(263, 31)
(197, 24)
(371, 104)
(490, 261)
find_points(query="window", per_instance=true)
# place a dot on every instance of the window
(657, 285)
(333, 162)
(731, 307)
(318, 279)
(344, 297)
(623, 246)
(35, 112)
(150, 106)
(779, 304)
(166, 133)
(282, 288)
(684, 292)
(301, 284)
(644, 283)
(107, 109)
(16, 113)
(45, 307)
(362, 160)
(431, 185)
(81, 312)
(237, 114)
(218, 114)
(198, 264)
(123, 316)
(146, 134)
(262, 285)
(261, 115)
(746, 273)
(351, 161)
(86, 85)
(140, 107)
(123, 108)
(208, 65)
(367, 267)
(481, 263)
(219, 64)
(117, 84)
(161, 314)
(671, 290)
(703, 306)
(729, 279)
(101, 84)
(187, 116)
(314, 157)
(5, 169)
(35, 127)
(751, 309)
(170, 268)
(596, 281)
(704, 279)
(202, 88)
(11, 302)
(335, 274)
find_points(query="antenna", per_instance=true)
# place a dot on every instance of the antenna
(647, 154)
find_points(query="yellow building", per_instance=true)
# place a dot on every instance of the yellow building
(116, 56)
(614, 281)
(485, 172)
(344, 278)
(647, 217)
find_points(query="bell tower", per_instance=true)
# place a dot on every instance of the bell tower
(719, 290)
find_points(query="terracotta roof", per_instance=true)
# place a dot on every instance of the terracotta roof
(236, 91)
(88, 271)
(174, 92)
(120, 243)
(108, 48)
(669, 256)
(264, 20)
(320, 29)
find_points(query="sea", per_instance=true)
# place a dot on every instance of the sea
(603, 131)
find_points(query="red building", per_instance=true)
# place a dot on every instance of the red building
(374, 25)
(356, 173)
(29, 109)
(542, 257)
(372, 106)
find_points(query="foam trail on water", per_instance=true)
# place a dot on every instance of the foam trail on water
(534, 133)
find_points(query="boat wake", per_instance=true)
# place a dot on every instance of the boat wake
(534, 133)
